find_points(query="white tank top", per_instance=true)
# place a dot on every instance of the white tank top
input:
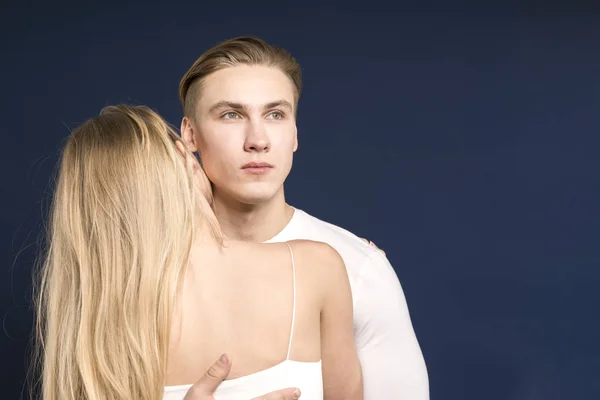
(307, 376)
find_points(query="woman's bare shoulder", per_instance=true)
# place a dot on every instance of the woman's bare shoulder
(318, 257)
(318, 251)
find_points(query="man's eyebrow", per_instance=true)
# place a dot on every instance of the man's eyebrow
(279, 103)
(226, 104)
(240, 106)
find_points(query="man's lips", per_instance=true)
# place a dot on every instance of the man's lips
(257, 167)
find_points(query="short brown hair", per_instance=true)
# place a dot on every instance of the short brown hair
(241, 50)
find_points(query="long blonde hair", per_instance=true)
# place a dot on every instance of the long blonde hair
(124, 215)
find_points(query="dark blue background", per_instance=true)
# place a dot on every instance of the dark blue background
(464, 141)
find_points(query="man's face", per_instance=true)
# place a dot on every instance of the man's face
(245, 131)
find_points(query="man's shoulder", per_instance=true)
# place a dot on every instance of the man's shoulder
(352, 248)
(373, 280)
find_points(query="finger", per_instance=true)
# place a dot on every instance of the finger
(367, 241)
(283, 394)
(374, 245)
(209, 382)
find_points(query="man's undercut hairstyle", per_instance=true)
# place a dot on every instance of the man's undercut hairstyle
(243, 50)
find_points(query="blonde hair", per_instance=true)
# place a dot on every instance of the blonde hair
(243, 50)
(124, 215)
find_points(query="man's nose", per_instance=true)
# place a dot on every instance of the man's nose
(256, 138)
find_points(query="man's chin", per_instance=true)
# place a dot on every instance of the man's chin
(253, 198)
(256, 199)
(250, 195)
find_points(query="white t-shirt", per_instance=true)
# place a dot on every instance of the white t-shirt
(392, 362)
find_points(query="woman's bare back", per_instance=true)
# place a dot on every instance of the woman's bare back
(240, 301)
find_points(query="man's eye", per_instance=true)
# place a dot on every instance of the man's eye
(276, 115)
(230, 115)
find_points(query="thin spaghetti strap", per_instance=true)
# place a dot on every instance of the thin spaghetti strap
(294, 306)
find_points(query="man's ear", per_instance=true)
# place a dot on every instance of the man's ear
(296, 140)
(181, 148)
(184, 153)
(187, 134)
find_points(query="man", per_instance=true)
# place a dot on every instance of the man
(240, 100)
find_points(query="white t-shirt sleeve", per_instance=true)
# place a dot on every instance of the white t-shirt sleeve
(392, 362)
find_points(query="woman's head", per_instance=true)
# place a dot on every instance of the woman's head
(132, 147)
(128, 203)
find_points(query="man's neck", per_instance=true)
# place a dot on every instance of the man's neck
(252, 222)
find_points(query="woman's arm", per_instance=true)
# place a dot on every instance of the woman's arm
(342, 375)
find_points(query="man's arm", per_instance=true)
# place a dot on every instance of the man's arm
(390, 355)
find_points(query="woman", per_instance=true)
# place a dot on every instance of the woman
(140, 291)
